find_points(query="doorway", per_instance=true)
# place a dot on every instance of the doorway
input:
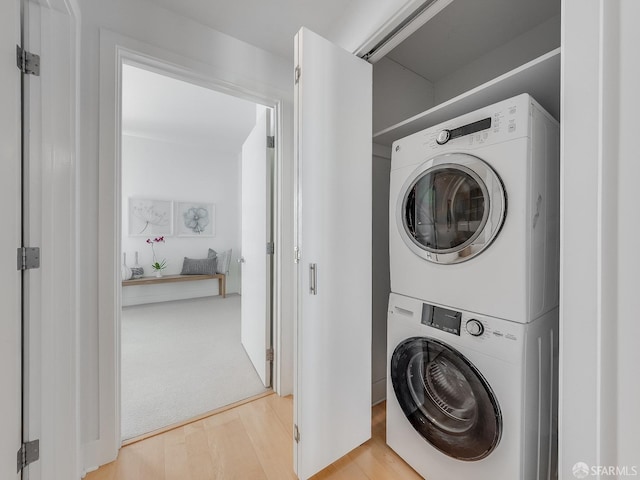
(194, 165)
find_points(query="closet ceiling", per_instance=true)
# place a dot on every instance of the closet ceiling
(163, 108)
(465, 30)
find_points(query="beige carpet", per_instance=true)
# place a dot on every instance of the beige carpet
(181, 359)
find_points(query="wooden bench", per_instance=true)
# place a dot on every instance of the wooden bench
(222, 281)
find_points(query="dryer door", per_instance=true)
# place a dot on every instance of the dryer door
(451, 208)
(445, 398)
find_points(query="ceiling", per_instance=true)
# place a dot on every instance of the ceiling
(461, 32)
(163, 108)
(267, 24)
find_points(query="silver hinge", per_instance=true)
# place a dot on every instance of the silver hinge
(296, 74)
(28, 258)
(271, 248)
(296, 255)
(271, 141)
(29, 452)
(296, 434)
(269, 355)
(28, 63)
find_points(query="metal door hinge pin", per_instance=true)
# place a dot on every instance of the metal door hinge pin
(28, 63)
(28, 258)
(29, 452)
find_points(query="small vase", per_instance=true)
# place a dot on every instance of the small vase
(159, 273)
(137, 271)
(126, 271)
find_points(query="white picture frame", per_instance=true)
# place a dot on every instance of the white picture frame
(150, 217)
(195, 219)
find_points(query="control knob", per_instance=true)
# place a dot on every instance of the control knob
(474, 327)
(443, 137)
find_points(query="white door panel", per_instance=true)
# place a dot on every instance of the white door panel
(10, 277)
(333, 339)
(256, 232)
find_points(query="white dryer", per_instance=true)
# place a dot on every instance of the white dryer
(474, 212)
(471, 397)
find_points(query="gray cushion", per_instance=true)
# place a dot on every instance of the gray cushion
(223, 260)
(199, 266)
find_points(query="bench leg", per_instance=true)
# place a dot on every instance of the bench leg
(222, 287)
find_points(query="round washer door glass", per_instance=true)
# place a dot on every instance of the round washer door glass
(446, 399)
(451, 208)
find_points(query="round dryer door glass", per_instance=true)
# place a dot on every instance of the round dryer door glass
(451, 208)
(446, 399)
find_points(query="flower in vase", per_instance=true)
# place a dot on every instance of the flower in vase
(157, 265)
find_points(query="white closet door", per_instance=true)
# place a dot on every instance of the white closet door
(332, 392)
(256, 232)
(10, 277)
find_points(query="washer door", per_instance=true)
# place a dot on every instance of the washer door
(446, 399)
(451, 208)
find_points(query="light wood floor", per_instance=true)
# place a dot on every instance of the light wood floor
(249, 442)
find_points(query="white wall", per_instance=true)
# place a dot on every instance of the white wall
(625, 89)
(155, 169)
(599, 355)
(381, 284)
(142, 26)
(398, 93)
(524, 48)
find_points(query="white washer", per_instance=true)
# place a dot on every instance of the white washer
(474, 210)
(469, 396)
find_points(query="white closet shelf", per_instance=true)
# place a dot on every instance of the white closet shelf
(540, 78)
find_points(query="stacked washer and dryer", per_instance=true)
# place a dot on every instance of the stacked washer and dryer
(473, 317)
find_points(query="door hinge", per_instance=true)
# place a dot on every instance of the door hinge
(271, 248)
(296, 434)
(297, 73)
(28, 258)
(296, 255)
(29, 452)
(271, 141)
(269, 354)
(28, 63)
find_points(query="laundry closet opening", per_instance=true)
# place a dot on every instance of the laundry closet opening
(196, 244)
(451, 59)
(444, 224)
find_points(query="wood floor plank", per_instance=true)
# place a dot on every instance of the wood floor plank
(106, 472)
(248, 442)
(283, 406)
(201, 464)
(270, 438)
(176, 458)
(233, 453)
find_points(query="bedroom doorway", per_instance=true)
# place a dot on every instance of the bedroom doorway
(196, 198)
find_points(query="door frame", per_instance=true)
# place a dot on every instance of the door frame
(50, 318)
(115, 50)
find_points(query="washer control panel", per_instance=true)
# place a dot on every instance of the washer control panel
(474, 327)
